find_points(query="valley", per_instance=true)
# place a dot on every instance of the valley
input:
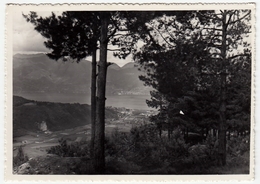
(36, 134)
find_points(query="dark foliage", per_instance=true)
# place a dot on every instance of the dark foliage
(20, 158)
(143, 152)
(77, 149)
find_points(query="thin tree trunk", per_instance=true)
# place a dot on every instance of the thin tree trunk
(186, 133)
(214, 133)
(160, 131)
(207, 133)
(223, 96)
(169, 130)
(93, 102)
(99, 156)
(160, 120)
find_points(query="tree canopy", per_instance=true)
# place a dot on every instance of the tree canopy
(195, 65)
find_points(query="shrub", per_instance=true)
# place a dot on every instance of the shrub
(76, 149)
(142, 151)
(238, 149)
(20, 158)
(142, 147)
(120, 165)
(238, 145)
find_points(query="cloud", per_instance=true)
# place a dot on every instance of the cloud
(25, 38)
(28, 40)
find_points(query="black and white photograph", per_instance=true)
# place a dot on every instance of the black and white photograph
(132, 92)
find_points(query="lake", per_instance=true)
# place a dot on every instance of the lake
(127, 101)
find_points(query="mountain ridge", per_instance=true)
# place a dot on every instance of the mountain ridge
(38, 73)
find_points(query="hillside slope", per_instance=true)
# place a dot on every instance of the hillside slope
(28, 114)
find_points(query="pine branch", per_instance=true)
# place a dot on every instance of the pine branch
(163, 37)
(109, 63)
(238, 55)
(151, 37)
(113, 50)
(209, 17)
(214, 29)
(166, 28)
(230, 16)
(119, 34)
(216, 16)
(233, 22)
(112, 34)
(116, 26)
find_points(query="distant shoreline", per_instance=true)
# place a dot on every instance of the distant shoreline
(133, 102)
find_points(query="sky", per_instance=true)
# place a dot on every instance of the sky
(26, 40)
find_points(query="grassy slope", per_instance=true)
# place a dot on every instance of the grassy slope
(58, 116)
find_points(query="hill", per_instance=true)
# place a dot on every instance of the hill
(129, 65)
(28, 115)
(38, 73)
(114, 66)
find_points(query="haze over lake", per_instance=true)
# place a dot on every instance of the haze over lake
(127, 101)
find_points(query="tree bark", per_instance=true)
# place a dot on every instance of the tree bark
(93, 101)
(99, 156)
(223, 96)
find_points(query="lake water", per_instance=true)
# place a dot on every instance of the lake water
(127, 101)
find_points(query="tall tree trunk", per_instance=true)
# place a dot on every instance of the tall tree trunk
(99, 156)
(223, 96)
(93, 101)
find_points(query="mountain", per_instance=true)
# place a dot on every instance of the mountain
(129, 65)
(38, 73)
(114, 66)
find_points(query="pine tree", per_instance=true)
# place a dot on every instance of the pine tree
(75, 35)
(72, 36)
(198, 55)
(226, 32)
